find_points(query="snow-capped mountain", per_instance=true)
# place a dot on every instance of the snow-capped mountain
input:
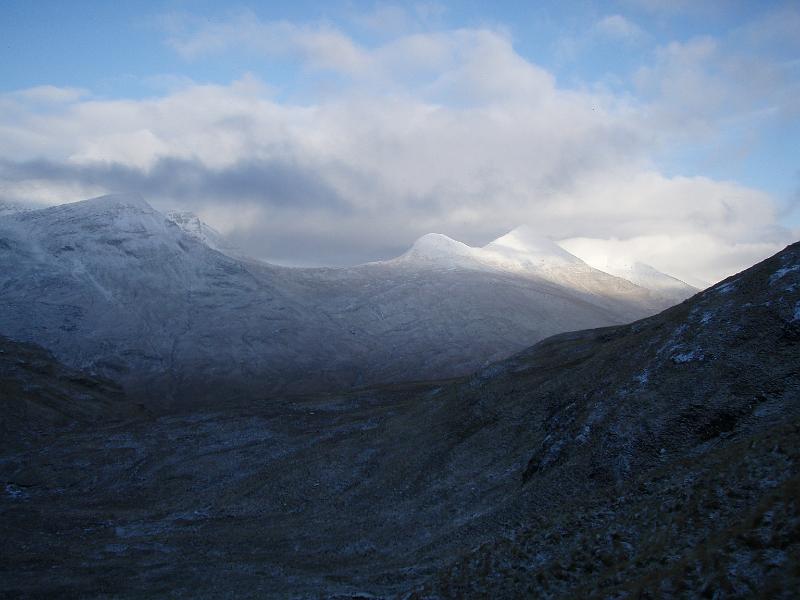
(525, 254)
(113, 286)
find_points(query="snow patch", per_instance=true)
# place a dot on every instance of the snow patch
(16, 492)
(685, 357)
(781, 272)
(704, 318)
(726, 288)
(672, 342)
(583, 436)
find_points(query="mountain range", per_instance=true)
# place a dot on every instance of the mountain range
(655, 459)
(162, 302)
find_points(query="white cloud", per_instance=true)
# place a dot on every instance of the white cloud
(448, 131)
(618, 27)
(318, 46)
(50, 94)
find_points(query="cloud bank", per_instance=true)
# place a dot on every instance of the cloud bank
(447, 131)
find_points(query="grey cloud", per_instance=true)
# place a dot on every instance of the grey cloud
(272, 183)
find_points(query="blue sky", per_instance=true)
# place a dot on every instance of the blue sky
(698, 103)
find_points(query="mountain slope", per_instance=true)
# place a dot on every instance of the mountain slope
(112, 286)
(643, 275)
(655, 459)
(663, 456)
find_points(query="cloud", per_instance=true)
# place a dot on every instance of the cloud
(449, 131)
(397, 19)
(699, 84)
(620, 28)
(273, 183)
(679, 7)
(50, 94)
(318, 46)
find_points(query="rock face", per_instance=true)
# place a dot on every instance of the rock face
(196, 229)
(657, 459)
(159, 303)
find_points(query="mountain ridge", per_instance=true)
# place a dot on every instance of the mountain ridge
(116, 287)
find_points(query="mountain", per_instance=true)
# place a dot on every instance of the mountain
(197, 229)
(657, 459)
(524, 253)
(670, 288)
(114, 287)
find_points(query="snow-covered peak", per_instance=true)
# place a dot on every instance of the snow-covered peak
(438, 244)
(524, 248)
(118, 216)
(117, 208)
(438, 249)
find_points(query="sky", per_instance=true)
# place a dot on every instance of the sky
(335, 133)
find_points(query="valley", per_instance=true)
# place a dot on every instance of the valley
(685, 433)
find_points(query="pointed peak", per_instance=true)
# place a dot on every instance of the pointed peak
(438, 249)
(524, 240)
(438, 245)
(437, 240)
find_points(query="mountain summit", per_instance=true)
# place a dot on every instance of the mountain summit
(525, 246)
(439, 249)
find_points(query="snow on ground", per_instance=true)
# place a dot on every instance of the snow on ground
(780, 273)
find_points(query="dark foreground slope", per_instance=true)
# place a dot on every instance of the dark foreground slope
(657, 459)
(41, 397)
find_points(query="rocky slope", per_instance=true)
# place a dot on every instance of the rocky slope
(655, 460)
(112, 286)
